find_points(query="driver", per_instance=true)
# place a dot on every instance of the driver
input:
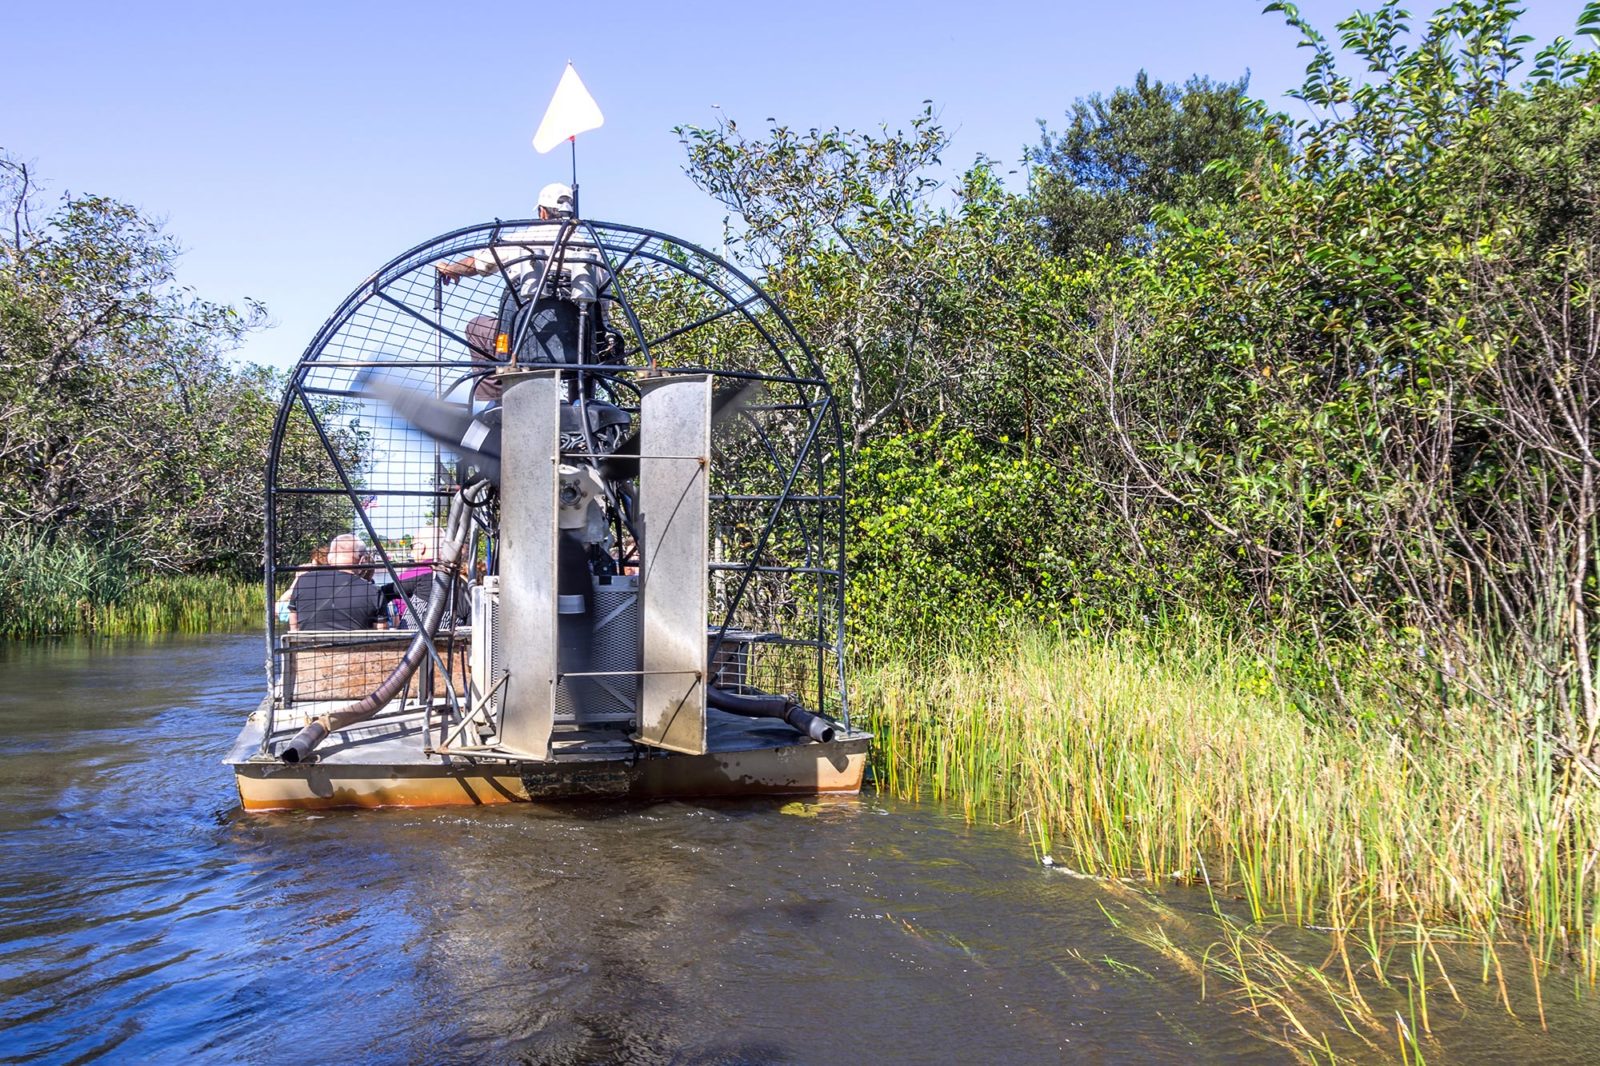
(522, 258)
(521, 267)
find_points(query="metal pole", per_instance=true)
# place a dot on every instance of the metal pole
(438, 392)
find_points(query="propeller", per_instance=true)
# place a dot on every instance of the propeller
(476, 437)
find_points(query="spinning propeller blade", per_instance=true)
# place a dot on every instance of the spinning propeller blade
(476, 438)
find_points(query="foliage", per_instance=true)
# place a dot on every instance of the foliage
(923, 566)
(183, 603)
(51, 586)
(121, 422)
(1427, 90)
(910, 305)
(1342, 384)
(1328, 395)
(1099, 183)
(1176, 756)
(1368, 382)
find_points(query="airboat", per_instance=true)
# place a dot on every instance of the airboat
(623, 473)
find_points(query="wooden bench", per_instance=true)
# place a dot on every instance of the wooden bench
(334, 665)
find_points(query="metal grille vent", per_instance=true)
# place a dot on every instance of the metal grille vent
(488, 663)
(595, 700)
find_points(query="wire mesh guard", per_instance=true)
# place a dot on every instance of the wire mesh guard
(357, 497)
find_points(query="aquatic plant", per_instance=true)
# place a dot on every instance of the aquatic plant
(1181, 758)
(181, 603)
(61, 586)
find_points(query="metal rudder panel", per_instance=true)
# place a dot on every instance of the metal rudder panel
(530, 445)
(484, 659)
(674, 506)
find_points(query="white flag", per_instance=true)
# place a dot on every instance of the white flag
(572, 111)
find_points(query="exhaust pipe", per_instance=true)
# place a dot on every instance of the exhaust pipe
(309, 737)
(814, 726)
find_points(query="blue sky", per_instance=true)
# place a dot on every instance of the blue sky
(294, 147)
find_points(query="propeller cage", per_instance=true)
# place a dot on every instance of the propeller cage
(713, 555)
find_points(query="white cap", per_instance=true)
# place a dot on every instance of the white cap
(556, 197)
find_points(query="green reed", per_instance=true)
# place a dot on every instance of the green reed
(53, 588)
(181, 603)
(1181, 762)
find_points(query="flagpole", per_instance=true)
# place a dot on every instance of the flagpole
(572, 111)
(573, 142)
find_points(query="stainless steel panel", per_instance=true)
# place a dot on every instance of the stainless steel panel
(530, 436)
(675, 451)
(485, 664)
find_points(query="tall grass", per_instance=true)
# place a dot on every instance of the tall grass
(54, 587)
(1182, 761)
(182, 603)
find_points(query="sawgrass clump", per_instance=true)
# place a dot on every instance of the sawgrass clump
(51, 588)
(181, 603)
(1181, 760)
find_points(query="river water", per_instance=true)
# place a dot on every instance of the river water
(143, 917)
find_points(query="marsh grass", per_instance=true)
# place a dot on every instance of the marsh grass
(1181, 761)
(181, 603)
(72, 588)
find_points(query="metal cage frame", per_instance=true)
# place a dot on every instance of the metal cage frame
(778, 467)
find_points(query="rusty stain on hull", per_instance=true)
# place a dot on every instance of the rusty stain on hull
(354, 788)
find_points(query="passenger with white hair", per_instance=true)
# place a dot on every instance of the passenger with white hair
(339, 599)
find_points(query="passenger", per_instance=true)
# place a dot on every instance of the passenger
(555, 326)
(319, 557)
(366, 565)
(417, 582)
(337, 599)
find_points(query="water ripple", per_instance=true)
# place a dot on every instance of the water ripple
(145, 918)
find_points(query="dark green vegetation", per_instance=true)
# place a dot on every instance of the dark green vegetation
(132, 452)
(1340, 387)
(1099, 183)
(63, 586)
(1324, 390)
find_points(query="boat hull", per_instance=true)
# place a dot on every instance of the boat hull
(390, 769)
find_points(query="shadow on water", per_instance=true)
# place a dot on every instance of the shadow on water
(145, 917)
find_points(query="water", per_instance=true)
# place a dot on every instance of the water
(145, 918)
